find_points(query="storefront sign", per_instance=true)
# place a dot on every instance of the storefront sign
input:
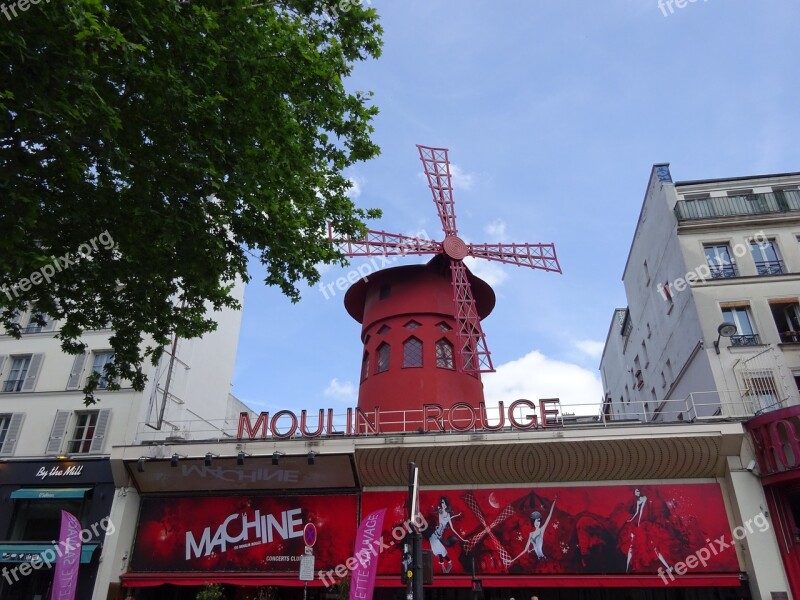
(56, 472)
(241, 533)
(615, 530)
(462, 416)
(59, 471)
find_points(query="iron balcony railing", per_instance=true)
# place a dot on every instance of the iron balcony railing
(13, 385)
(745, 340)
(732, 206)
(723, 271)
(770, 267)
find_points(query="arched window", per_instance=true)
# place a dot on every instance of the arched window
(412, 353)
(365, 366)
(383, 358)
(444, 354)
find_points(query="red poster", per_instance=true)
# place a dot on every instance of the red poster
(567, 530)
(242, 533)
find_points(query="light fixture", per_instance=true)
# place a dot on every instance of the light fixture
(726, 329)
(311, 455)
(209, 456)
(140, 464)
(62, 457)
(276, 458)
(173, 461)
(240, 457)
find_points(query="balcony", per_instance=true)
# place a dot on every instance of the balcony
(745, 340)
(790, 337)
(734, 206)
(770, 267)
(723, 271)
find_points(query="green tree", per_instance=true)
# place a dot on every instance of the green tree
(191, 133)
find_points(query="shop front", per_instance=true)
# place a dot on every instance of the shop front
(34, 496)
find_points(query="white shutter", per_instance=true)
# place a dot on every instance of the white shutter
(7, 448)
(99, 437)
(2, 362)
(58, 433)
(74, 381)
(33, 373)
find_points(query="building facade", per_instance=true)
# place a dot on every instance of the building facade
(711, 327)
(54, 450)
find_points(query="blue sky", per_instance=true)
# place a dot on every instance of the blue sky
(554, 112)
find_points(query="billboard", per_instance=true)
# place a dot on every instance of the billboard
(241, 533)
(618, 529)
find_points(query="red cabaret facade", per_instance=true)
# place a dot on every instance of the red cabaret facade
(777, 444)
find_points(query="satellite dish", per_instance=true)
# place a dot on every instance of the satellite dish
(726, 329)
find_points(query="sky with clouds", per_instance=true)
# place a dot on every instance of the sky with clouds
(554, 112)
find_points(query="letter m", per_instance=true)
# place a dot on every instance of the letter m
(252, 432)
(201, 549)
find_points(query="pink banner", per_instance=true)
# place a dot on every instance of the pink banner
(362, 580)
(65, 580)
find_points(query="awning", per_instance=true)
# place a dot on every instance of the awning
(48, 493)
(25, 553)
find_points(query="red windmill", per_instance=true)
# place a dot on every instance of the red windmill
(472, 356)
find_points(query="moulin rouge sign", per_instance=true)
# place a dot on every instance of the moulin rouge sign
(461, 417)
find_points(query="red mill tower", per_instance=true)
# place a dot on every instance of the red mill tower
(423, 341)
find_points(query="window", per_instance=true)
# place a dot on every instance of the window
(40, 520)
(740, 316)
(412, 325)
(84, 432)
(787, 197)
(18, 373)
(383, 329)
(787, 320)
(763, 392)
(101, 359)
(627, 395)
(720, 263)
(669, 370)
(766, 257)
(644, 354)
(646, 274)
(412, 353)
(663, 380)
(365, 366)
(443, 326)
(444, 354)
(383, 358)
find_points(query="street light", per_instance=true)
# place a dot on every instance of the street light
(726, 329)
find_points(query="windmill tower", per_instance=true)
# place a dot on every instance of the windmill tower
(421, 324)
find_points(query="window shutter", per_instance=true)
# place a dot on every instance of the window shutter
(33, 373)
(14, 427)
(58, 433)
(74, 381)
(99, 438)
(2, 362)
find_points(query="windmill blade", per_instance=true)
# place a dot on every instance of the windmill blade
(437, 168)
(472, 351)
(380, 243)
(535, 256)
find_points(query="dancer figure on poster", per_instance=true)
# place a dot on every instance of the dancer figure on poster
(642, 536)
(641, 502)
(536, 537)
(437, 539)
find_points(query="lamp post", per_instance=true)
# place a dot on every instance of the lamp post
(726, 329)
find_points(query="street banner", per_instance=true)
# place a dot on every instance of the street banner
(65, 580)
(362, 579)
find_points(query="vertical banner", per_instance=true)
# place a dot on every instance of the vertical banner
(65, 580)
(362, 579)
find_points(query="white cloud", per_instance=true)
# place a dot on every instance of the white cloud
(535, 376)
(460, 179)
(491, 272)
(496, 230)
(590, 347)
(344, 391)
(355, 191)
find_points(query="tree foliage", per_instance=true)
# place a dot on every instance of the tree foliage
(193, 134)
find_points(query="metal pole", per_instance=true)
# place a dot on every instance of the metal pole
(411, 542)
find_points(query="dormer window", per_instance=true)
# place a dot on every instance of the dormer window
(412, 352)
(444, 354)
(383, 352)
